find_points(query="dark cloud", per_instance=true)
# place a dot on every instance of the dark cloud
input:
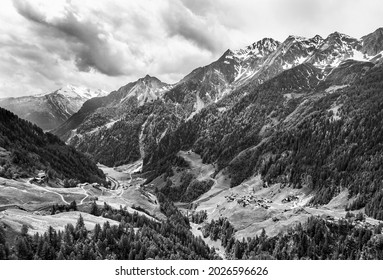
(24, 53)
(91, 45)
(127, 42)
(106, 44)
(29, 12)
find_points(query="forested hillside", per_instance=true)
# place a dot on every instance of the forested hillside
(330, 152)
(136, 238)
(30, 150)
(219, 135)
(298, 136)
(316, 239)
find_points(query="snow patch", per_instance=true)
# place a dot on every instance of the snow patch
(80, 92)
(105, 126)
(287, 66)
(335, 113)
(111, 123)
(358, 55)
(288, 96)
(162, 135)
(377, 57)
(333, 89)
(198, 106)
(141, 138)
(300, 60)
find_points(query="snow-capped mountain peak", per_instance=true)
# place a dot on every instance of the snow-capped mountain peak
(317, 38)
(259, 48)
(50, 110)
(296, 38)
(303, 43)
(71, 91)
(336, 48)
(242, 64)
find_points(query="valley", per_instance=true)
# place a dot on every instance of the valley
(23, 202)
(252, 206)
(270, 151)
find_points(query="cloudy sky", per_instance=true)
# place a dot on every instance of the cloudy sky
(106, 44)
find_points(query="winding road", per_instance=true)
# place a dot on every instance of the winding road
(60, 195)
(114, 183)
(47, 190)
(86, 195)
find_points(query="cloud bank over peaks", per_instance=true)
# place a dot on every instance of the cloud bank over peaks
(106, 44)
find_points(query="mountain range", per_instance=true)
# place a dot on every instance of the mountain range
(271, 151)
(50, 110)
(234, 111)
(150, 109)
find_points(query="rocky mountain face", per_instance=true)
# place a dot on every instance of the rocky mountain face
(208, 84)
(372, 43)
(118, 128)
(264, 60)
(146, 89)
(50, 110)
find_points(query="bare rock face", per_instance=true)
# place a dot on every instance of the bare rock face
(373, 43)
